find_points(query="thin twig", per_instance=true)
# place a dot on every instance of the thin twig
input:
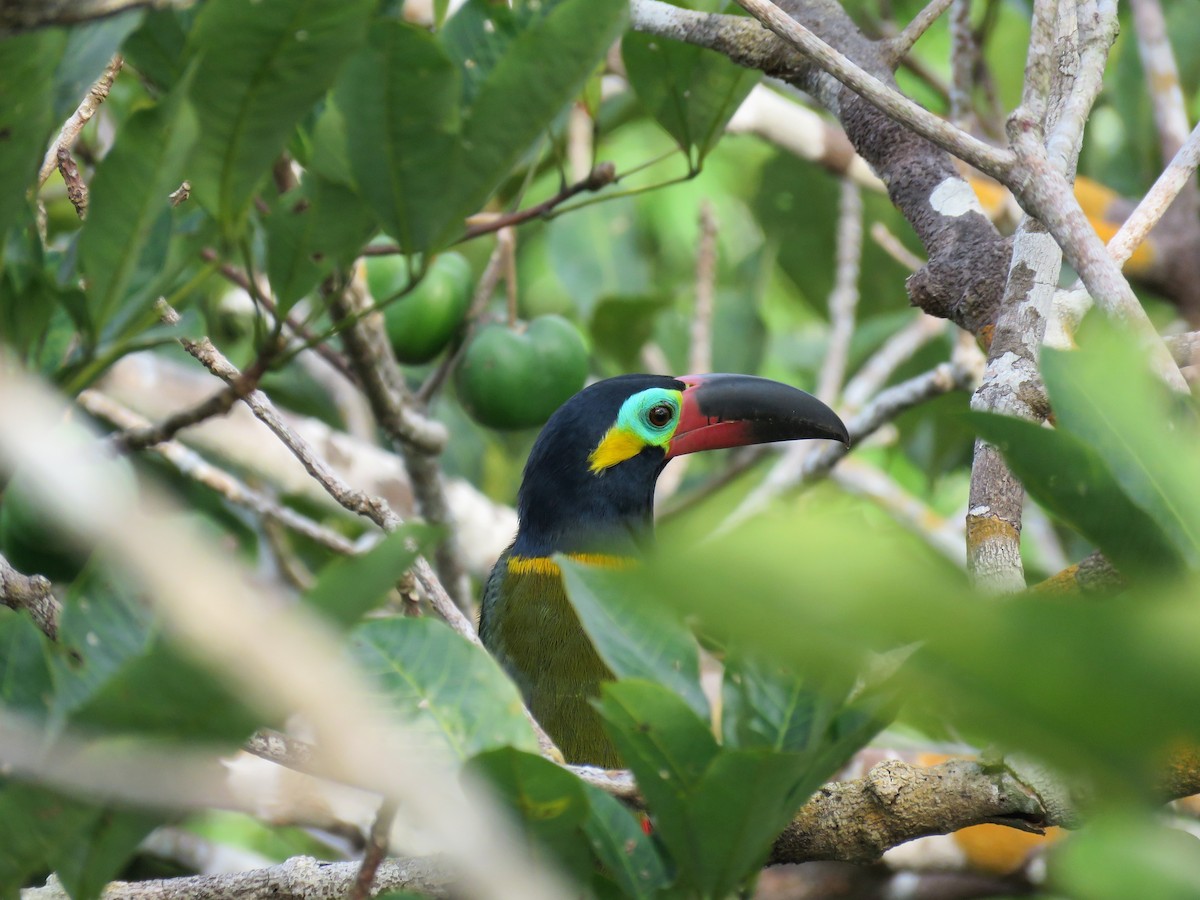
(71, 128)
(219, 404)
(375, 851)
(892, 246)
(32, 593)
(77, 189)
(964, 58)
(899, 46)
(843, 299)
(191, 465)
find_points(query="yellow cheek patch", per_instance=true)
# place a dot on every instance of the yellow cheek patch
(617, 446)
(544, 565)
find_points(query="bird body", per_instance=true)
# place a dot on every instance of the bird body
(588, 493)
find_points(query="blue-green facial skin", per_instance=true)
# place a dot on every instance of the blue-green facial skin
(633, 416)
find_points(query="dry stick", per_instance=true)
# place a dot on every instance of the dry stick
(71, 128)
(375, 851)
(32, 593)
(891, 245)
(843, 299)
(191, 465)
(964, 58)
(1162, 75)
(408, 431)
(218, 404)
(600, 177)
(895, 351)
(77, 190)
(236, 276)
(899, 46)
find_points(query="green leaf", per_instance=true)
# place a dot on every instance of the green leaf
(1105, 395)
(157, 49)
(516, 96)
(548, 801)
(262, 66)
(635, 637)
(626, 852)
(691, 92)
(1130, 855)
(1072, 481)
(717, 810)
(766, 705)
(595, 253)
(399, 100)
(85, 844)
(90, 47)
(442, 685)
(621, 325)
(310, 231)
(129, 215)
(349, 588)
(165, 695)
(27, 64)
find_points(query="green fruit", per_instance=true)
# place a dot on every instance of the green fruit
(511, 379)
(421, 323)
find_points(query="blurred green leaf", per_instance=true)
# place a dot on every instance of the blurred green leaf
(398, 99)
(442, 685)
(594, 252)
(1102, 697)
(157, 49)
(511, 95)
(129, 215)
(161, 693)
(1070, 479)
(90, 47)
(310, 231)
(349, 588)
(27, 64)
(635, 637)
(1104, 394)
(261, 67)
(691, 92)
(547, 801)
(1122, 856)
(42, 831)
(621, 325)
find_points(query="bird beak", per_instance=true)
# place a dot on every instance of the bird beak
(735, 410)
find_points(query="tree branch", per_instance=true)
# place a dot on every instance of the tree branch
(32, 593)
(70, 131)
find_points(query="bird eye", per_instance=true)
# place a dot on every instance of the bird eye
(660, 414)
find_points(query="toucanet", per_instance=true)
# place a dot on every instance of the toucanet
(588, 493)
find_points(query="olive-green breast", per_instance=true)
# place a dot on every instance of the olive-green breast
(531, 628)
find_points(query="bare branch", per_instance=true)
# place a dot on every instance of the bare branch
(986, 158)
(71, 128)
(964, 57)
(300, 878)
(376, 849)
(32, 593)
(899, 46)
(190, 464)
(843, 299)
(1162, 75)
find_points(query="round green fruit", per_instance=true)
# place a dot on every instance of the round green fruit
(511, 379)
(421, 323)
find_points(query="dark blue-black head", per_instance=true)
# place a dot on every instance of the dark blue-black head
(589, 481)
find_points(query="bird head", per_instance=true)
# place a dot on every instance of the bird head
(589, 481)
